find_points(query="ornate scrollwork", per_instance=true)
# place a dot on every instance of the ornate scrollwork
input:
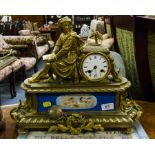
(125, 103)
(75, 124)
(23, 108)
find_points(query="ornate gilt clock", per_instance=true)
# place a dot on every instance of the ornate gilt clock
(99, 101)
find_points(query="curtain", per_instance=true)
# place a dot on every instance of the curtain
(151, 55)
(108, 29)
(126, 49)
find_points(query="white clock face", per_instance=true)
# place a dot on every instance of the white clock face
(95, 67)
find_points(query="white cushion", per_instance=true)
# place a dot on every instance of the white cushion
(5, 72)
(24, 32)
(108, 43)
(3, 44)
(119, 63)
(29, 62)
(17, 64)
(41, 50)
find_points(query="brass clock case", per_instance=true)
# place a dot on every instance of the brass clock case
(123, 117)
(98, 79)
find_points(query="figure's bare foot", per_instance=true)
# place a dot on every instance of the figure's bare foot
(32, 80)
(48, 80)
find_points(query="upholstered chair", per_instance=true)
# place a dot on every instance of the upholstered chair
(9, 64)
(25, 45)
(43, 42)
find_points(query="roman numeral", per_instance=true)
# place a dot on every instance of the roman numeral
(102, 70)
(95, 75)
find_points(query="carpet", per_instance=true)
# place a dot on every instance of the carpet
(137, 133)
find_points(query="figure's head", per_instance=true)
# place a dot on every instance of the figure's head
(65, 24)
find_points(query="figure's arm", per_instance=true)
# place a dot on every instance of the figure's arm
(57, 47)
(67, 46)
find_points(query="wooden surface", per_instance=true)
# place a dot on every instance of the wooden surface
(147, 121)
(148, 118)
(10, 126)
(32, 18)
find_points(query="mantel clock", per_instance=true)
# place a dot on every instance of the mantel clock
(95, 66)
(82, 93)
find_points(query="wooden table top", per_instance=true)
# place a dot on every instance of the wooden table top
(49, 28)
(147, 121)
(148, 118)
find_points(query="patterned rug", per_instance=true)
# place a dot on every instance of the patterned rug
(137, 133)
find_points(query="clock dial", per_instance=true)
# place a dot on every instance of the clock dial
(95, 66)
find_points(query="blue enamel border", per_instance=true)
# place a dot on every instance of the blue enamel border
(102, 98)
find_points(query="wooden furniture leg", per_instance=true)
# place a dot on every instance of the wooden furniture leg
(24, 72)
(2, 124)
(12, 85)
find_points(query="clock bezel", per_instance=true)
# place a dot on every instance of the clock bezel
(99, 79)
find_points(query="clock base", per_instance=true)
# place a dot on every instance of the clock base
(40, 110)
(120, 121)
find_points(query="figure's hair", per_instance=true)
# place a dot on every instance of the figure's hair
(64, 20)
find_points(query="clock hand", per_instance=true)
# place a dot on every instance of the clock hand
(90, 70)
(95, 75)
